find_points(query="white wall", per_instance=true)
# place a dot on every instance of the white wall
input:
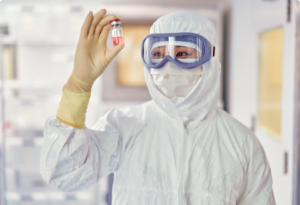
(241, 60)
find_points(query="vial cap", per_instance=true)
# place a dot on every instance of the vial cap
(115, 20)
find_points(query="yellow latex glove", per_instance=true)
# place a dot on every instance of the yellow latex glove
(91, 58)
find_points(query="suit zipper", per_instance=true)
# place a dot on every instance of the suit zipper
(181, 189)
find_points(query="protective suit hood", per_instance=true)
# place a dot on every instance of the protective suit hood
(202, 100)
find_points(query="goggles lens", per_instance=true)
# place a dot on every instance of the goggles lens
(181, 53)
(185, 49)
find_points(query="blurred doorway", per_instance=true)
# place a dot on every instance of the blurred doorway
(263, 73)
(275, 92)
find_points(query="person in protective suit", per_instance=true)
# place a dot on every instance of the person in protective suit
(179, 148)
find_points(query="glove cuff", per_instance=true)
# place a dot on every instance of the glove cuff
(72, 108)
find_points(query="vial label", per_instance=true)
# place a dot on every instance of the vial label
(117, 40)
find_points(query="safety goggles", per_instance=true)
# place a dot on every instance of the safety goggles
(187, 50)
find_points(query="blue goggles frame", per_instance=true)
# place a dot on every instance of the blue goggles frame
(208, 51)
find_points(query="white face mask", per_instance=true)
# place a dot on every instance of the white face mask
(172, 80)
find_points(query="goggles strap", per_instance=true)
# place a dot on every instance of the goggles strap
(212, 51)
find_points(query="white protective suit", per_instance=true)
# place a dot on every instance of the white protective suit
(156, 160)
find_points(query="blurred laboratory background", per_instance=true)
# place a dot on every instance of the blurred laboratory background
(257, 43)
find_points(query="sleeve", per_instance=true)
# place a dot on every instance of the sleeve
(258, 179)
(74, 159)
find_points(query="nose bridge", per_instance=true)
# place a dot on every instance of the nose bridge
(170, 68)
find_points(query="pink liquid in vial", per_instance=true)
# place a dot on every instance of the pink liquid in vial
(117, 40)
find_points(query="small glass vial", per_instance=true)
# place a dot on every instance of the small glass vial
(116, 32)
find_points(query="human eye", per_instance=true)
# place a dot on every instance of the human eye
(157, 54)
(180, 54)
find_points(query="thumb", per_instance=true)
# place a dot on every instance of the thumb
(114, 51)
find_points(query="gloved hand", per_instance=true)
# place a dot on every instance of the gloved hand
(92, 55)
(91, 58)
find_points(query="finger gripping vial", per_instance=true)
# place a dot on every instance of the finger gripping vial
(116, 32)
